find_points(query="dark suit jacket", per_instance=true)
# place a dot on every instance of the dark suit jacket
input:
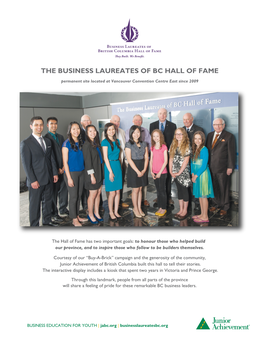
(193, 130)
(83, 134)
(39, 166)
(168, 132)
(223, 155)
(91, 162)
(57, 149)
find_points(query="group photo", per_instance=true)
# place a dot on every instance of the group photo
(129, 160)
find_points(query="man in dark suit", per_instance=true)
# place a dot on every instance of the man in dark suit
(191, 128)
(41, 170)
(168, 128)
(222, 157)
(59, 188)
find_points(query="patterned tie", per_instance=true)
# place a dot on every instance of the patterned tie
(42, 143)
(216, 138)
(162, 127)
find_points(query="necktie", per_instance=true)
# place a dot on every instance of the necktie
(162, 127)
(56, 138)
(216, 138)
(42, 144)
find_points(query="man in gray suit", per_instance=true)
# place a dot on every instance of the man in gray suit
(41, 170)
(59, 188)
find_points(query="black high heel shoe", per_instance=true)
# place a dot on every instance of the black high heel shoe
(112, 219)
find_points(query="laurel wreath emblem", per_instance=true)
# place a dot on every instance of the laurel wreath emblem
(125, 38)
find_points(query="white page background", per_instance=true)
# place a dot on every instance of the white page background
(227, 36)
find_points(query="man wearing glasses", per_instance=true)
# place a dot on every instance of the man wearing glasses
(222, 158)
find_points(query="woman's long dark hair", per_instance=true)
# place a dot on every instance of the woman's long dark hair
(108, 125)
(131, 132)
(196, 150)
(71, 140)
(96, 142)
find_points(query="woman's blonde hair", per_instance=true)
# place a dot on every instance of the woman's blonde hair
(183, 147)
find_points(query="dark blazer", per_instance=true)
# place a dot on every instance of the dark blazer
(92, 162)
(168, 132)
(193, 130)
(39, 166)
(223, 155)
(83, 134)
(57, 149)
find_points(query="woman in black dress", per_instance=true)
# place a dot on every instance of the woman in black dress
(137, 177)
(93, 181)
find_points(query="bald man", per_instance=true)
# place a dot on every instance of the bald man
(121, 136)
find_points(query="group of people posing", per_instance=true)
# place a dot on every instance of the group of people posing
(66, 169)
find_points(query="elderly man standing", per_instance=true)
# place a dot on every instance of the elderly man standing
(168, 129)
(222, 157)
(145, 136)
(121, 136)
(190, 127)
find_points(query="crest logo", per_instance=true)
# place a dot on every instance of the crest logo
(129, 33)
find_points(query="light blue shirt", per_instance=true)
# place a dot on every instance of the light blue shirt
(164, 125)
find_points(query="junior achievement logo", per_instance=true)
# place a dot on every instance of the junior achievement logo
(203, 324)
(221, 324)
(129, 33)
(224, 324)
